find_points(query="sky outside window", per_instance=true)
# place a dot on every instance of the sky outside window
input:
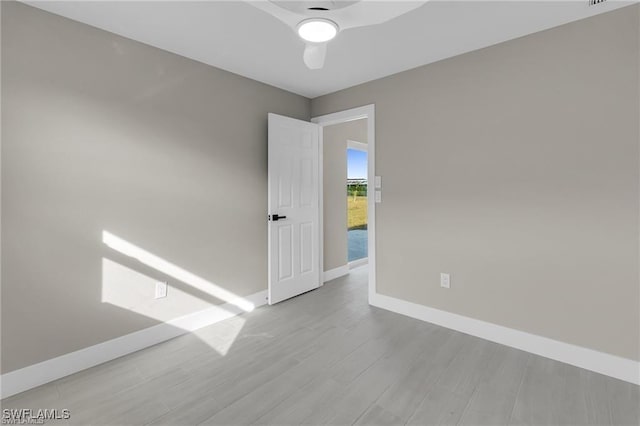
(356, 164)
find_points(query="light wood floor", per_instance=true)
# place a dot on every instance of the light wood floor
(326, 357)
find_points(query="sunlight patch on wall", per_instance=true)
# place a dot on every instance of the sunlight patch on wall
(180, 274)
(131, 290)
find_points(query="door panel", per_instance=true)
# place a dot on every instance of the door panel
(285, 255)
(294, 259)
(306, 247)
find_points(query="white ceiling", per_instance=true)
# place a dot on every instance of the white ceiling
(238, 37)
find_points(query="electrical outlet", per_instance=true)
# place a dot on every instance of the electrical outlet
(161, 290)
(445, 280)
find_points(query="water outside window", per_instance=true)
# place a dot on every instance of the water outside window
(357, 204)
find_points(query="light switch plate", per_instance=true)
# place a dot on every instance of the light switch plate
(378, 182)
(378, 196)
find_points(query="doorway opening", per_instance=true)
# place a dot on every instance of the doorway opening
(357, 185)
(335, 260)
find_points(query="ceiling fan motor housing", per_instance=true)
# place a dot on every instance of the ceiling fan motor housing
(313, 7)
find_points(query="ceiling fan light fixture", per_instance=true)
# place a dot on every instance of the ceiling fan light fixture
(317, 30)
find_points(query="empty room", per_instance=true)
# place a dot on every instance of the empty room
(320, 212)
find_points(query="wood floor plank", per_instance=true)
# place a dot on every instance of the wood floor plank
(440, 407)
(43, 396)
(494, 399)
(599, 410)
(534, 400)
(197, 407)
(378, 416)
(334, 346)
(265, 397)
(367, 388)
(469, 367)
(84, 388)
(624, 400)
(552, 393)
(319, 394)
(403, 398)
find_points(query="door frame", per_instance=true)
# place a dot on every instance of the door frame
(368, 112)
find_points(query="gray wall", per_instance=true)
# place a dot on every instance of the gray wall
(515, 169)
(101, 133)
(335, 190)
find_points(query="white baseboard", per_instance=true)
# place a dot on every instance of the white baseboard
(332, 274)
(358, 263)
(589, 359)
(44, 372)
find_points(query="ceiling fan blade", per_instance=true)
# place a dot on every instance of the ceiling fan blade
(372, 12)
(351, 14)
(314, 55)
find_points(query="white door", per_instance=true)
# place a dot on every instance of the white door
(294, 258)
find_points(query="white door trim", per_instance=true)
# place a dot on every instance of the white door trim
(359, 146)
(368, 112)
(332, 274)
(358, 263)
